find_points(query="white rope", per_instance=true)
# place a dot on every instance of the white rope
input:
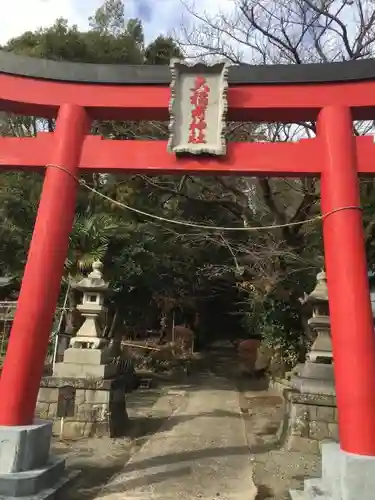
(200, 226)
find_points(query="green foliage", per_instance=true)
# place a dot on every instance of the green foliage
(281, 327)
(59, 42)
(161, 50)
(19, 195)
(143, 261)
(242, 283)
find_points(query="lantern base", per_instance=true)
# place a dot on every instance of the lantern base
(86, 363)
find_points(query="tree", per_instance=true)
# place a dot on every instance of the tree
(162, 50)
(142, 260)
(282, 263)
(109, 18)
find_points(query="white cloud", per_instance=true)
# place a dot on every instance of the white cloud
(19, 16)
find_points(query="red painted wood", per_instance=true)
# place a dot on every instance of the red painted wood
(278, 159)
(22, 153)
(27, 348)
(242, 158)
(352, 329)
(283, 103)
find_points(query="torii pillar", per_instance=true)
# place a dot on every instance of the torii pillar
(348, 470)
(26, 467)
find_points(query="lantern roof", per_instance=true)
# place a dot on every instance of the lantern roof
(320, 292)
(94, 282)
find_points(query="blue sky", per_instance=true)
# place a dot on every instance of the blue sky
(159, 16)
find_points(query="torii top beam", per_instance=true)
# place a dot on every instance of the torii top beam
(283, 93)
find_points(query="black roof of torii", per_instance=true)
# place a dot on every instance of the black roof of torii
(242, 74)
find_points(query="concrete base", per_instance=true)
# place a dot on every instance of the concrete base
(344, 477)
(25, 447)
(51, 493)
(26, 469)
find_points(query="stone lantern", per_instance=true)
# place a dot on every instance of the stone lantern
(316, 374)
(94, 288)
(86, 395)
(312, 398)
(321, 349)
(89, 354)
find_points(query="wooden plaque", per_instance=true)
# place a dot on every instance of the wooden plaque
(198, 108)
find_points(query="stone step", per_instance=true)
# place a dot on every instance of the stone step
(29, 483)
(51, 492)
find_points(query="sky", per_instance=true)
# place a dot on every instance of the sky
(159, 16)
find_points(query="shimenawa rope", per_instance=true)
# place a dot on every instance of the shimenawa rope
(200, 226)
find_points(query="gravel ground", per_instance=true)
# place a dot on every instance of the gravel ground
(99, 459)
(276, 470)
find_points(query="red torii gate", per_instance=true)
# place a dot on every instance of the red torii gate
(334, 95)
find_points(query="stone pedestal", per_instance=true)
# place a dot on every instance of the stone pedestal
(312, 419)
(314, 378)
(86, 363)
(84, 407)
(345, 476)
(27, 470)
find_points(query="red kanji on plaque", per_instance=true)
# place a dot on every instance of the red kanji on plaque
(199, 100)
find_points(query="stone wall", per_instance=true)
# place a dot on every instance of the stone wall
(312, 419)
(98, 407)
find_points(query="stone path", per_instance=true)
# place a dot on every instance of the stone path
(100, 459)
(201, 452)
(198, 439)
